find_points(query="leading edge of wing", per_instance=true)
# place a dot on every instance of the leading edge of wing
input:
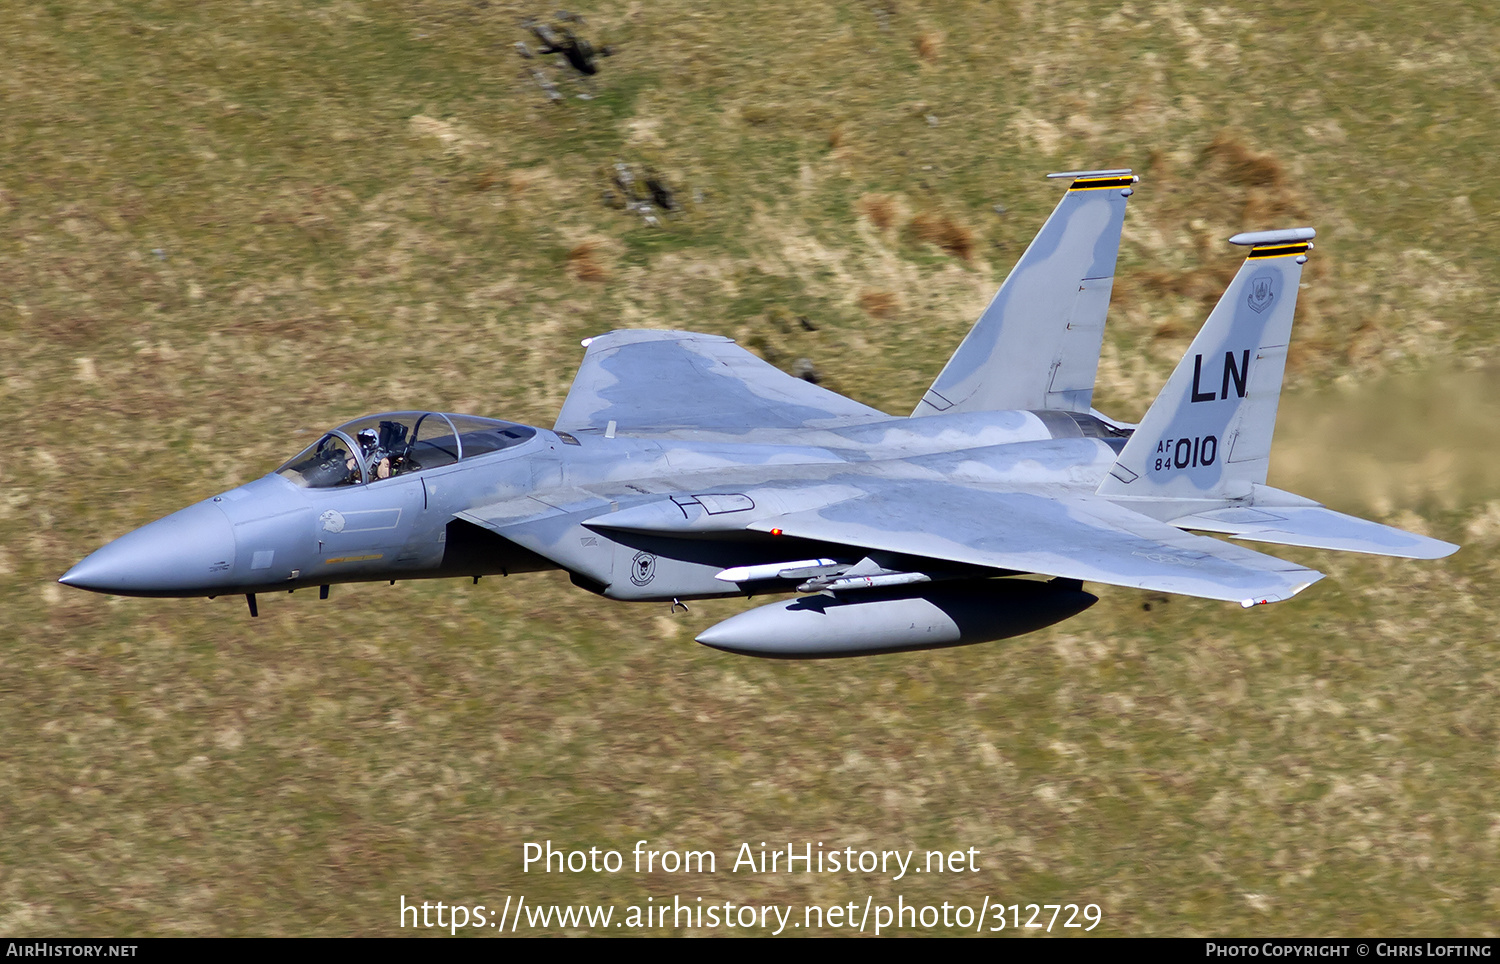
(1081, 537)
(647, 382)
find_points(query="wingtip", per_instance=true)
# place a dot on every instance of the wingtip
(1281, 597)
(1442, 550)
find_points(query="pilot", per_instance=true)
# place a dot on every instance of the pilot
(376, 457)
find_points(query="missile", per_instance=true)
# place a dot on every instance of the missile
(800, 569)
(893, 620)
(834, 583)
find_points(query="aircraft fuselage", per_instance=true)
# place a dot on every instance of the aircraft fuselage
(630, 518)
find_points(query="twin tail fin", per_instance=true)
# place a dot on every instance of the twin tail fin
(1037, 344)
(1199, 458)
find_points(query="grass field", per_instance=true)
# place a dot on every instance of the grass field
(227, 226)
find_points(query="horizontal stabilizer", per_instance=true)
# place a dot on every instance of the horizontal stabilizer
(1316, 528)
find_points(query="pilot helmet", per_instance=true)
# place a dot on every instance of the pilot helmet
(368, 438)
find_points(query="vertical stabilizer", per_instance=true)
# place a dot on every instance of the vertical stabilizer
(1037, 344)
(1208, 434)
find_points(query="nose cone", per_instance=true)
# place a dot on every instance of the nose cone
(188, 553)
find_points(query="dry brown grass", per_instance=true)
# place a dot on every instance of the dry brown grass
(484, 180)
(757, 115)
(1273, 207)
(1243, 165)
(1270, 197)
(929, 45)
(945, 231)
(882, 210)
(585, 261)
(1203, 285)
(1198, 197)
(879, 304)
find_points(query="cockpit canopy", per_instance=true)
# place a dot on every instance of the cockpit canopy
(379, 447)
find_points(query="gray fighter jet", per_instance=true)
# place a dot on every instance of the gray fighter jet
(683, 467)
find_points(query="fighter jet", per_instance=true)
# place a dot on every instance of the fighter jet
(682, 467)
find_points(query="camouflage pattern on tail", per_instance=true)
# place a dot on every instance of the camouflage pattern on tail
(1208, 434)
(1037, 344)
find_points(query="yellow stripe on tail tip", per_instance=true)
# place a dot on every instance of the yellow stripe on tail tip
(1278, 250)
(1099, 183)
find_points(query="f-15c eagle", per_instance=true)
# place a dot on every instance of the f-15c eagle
(683, 467)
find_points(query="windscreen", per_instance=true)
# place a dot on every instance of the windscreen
(375, 448)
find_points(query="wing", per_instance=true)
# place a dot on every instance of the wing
(1083, 538)
(660, 382)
